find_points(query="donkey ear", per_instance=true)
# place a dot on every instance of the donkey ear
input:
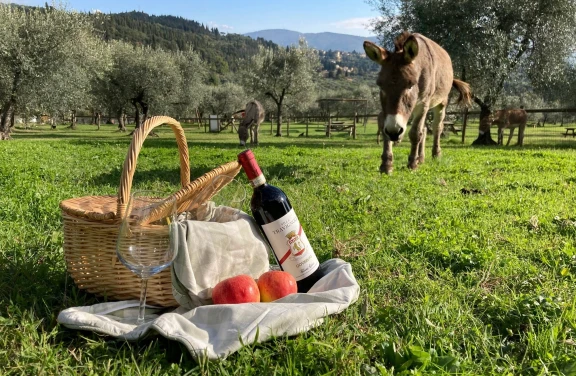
(374, 52)
(410, 49)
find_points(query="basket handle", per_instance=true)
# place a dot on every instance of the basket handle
(132, 157)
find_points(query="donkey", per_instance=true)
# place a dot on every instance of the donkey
(254, 116)
(381, 122)
(510, 119)
(414, 78)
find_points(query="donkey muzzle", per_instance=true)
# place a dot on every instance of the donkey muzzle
(394, 126)
(394, 136)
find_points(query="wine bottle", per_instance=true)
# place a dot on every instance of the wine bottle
(274, 214)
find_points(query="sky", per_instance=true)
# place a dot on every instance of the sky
(306, 16)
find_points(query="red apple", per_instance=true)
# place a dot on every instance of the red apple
(239, 289)
(276, 284)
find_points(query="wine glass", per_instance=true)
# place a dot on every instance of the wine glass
(148, 239)
(230, 193)
(222, 190)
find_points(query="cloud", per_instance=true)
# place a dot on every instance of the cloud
(213, 24)
(358, 23)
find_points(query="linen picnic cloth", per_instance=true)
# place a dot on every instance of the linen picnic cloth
(224, 243)
(216, 331)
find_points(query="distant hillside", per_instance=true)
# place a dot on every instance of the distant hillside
(322, 41)
(223, 53)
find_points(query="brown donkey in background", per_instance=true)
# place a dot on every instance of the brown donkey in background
(250, 125)
(413, 79)
(510, 119)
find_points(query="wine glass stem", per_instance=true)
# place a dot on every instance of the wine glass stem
(143, 288)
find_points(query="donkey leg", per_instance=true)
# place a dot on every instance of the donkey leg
(510, 136)
(438, 128)
(387, 165)
(421, 147)
(256, 127)
(416, 134)
(521, 130)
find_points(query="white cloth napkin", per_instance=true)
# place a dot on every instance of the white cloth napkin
(216, 331)
(224, 244)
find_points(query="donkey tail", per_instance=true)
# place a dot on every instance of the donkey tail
(463, 88)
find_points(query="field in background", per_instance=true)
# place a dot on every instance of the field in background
(550, 135)
(467, 265)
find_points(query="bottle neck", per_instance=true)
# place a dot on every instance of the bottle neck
(259, 181)
(251, 168)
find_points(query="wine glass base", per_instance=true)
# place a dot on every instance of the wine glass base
(129, 314)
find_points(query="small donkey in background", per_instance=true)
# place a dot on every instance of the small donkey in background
(254, 116)
(510, 119)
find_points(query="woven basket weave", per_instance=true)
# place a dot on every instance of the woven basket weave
(91, 225)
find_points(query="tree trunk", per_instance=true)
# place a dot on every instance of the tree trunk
(73, 120)
(6, 120)
(121, 124)
(136, 116)
(484, 136)
(145, 110)
(279, 121)
(98, 120)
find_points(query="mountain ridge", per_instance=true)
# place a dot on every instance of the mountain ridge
(323, 41)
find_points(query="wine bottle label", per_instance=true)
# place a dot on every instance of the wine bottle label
(291, 246)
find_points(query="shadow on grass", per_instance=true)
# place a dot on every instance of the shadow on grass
(34, 281)
(563, 145)
(170, 175)
(166, 138)
(60, 135)
(316, 140)
(35, 289)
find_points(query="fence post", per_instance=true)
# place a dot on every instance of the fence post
(307, 121)
(354, 126)
(329, 130)
(464, 123)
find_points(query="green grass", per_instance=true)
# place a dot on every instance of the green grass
(479, 283)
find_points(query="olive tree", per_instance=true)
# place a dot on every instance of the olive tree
(225, 99)
(140, 77)
(34, 44)
(489, 40)
(284, 75)
(192, 91)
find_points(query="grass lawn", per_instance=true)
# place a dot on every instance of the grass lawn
(466, 266)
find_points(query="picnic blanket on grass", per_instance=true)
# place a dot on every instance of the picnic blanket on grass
(216, 331)
(224, 243)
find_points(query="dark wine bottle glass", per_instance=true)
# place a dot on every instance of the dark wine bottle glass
(280, 226)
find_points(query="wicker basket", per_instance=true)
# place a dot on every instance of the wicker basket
(91, 225)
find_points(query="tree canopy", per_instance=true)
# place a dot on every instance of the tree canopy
(288, 76)
(34, 44)
(490, 40)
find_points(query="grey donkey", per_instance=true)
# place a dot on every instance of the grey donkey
(253, 117)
